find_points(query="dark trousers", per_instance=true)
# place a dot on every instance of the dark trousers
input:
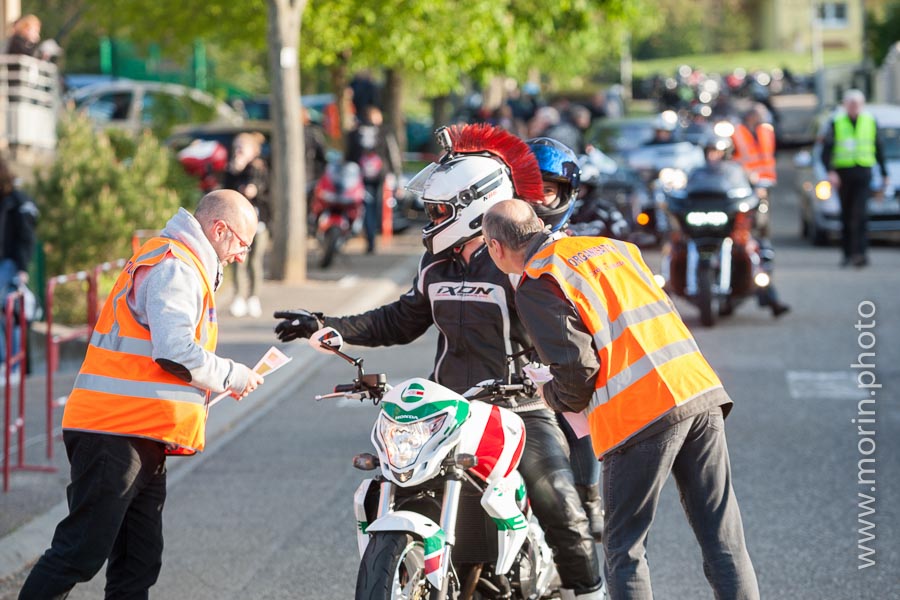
(695, 452)
(551, 488)
(854, 193)
(115, 512)
(585, 466)
(372, 216)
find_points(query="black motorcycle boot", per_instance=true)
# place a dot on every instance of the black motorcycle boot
(593, 506)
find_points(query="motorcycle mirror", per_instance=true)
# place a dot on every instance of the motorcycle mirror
(326, 340)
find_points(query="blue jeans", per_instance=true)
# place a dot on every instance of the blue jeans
(585, 465)
(695, 452)
(8, 272)
(115, 512)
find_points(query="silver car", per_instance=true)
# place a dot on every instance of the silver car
(820, 206)
(137, 105)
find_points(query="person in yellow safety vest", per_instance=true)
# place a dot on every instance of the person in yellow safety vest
(624, 362)
(850, 149)
(141, 394)
(754, 149)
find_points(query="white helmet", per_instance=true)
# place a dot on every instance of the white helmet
(461, 189)
(483, 165)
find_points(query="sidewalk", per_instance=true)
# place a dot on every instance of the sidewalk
(355, 283)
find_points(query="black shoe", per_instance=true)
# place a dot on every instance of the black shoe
(860, 261)
(779, 309)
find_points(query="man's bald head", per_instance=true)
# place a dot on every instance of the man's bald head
(227, 205)
(225, 213)
(512, 223)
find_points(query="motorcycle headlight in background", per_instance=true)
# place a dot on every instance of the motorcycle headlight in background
(673, 179)
(705, 219)
(723, 129)
(404, 441)
(823, 190)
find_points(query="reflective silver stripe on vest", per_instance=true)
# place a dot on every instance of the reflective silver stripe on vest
(140, 389)
(642, 367)
(154, 253)
(117, 343)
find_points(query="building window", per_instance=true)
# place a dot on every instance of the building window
(833, 15)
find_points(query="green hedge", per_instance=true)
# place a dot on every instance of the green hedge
(101, 188)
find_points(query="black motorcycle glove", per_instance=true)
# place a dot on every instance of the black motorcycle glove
(297, 324)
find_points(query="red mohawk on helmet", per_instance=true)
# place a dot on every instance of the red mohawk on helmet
(523, 166)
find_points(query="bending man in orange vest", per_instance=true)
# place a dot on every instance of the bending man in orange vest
(621, 357)
(141, 394)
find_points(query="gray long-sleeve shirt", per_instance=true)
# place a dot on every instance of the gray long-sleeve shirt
(168, 299)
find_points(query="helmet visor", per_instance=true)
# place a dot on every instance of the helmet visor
(416, 185)
(438, 211)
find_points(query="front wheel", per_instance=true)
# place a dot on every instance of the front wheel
(705, 296)
(330, 243)
(392, 568)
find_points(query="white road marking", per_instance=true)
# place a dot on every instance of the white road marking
(819, 385)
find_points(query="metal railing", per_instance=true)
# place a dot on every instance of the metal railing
(29, 101)
(16, 426)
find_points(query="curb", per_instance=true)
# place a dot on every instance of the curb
(28, 542)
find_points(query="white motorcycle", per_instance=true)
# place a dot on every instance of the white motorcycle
(448, 515)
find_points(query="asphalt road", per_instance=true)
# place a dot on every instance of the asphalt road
(266, 513)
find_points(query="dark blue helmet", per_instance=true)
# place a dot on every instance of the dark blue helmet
(559, 164)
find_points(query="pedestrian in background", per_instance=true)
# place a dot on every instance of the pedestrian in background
(26, 34)
(620, 355)
(850, 150)
(377, 153)
(248, 174)
(140, 395)
(18, 220)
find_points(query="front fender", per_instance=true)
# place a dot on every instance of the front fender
(432, 537)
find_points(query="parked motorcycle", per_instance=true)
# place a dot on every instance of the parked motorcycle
(712, 259)
(447, 515)
(205, 160)
(337, 208)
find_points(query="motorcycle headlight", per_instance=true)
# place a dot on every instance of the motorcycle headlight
(673, 179)
(703, 219)
(404, 441)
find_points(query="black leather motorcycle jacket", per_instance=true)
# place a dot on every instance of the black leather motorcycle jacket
(472, 307)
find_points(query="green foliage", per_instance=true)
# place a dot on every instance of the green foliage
(882, 31)
(100, 189)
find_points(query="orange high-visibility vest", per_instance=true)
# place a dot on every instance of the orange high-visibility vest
(649, 361)
(120, 388)
(756, 154)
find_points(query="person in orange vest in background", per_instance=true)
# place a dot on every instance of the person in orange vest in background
(754, 149)
(140, 395)
(622, 359)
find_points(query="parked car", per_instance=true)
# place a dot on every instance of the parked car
(820, 206)
(137, 105)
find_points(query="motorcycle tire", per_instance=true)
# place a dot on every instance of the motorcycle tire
(393, 566)
(330, 242)
(705, 296)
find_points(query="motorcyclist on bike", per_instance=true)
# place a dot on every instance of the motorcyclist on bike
(561, 175)
(716, 150)
(664, 126)
(460, 291)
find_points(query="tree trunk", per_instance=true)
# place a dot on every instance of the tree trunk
(288, 176)
(440, 116)
(339, 83)
(393, 105)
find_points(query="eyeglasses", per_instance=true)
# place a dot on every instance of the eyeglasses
(245, 247)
